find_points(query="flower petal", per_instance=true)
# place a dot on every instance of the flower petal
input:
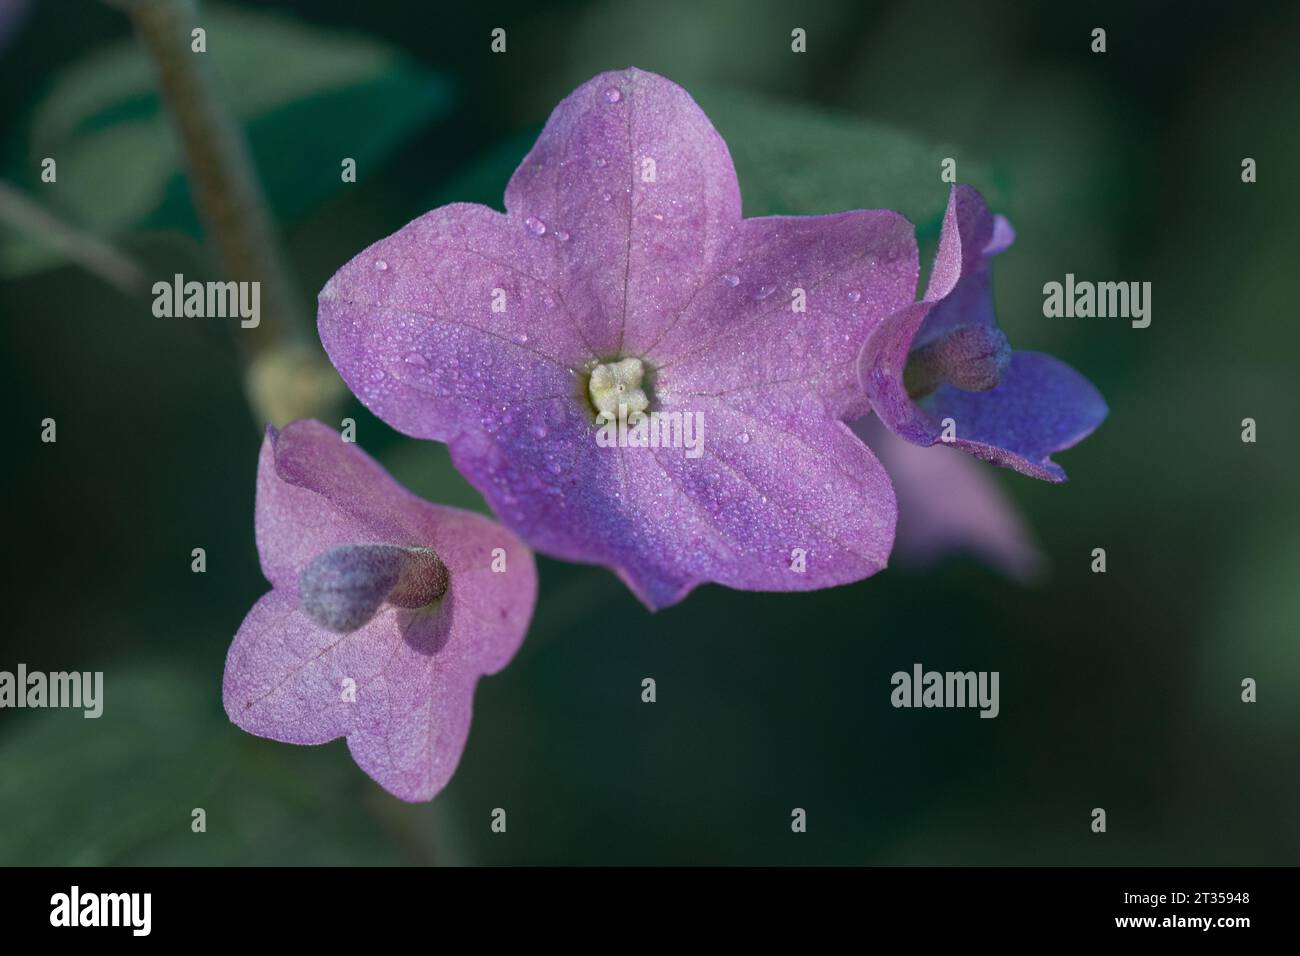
(460, 323)
(1041, 406)
(316, 492)
(787, 308)
(665, 522)
(774, 508)
(633, 174)
(545, 477)
(881, 365)
(946, 503)
(969, 237)
(400, 688)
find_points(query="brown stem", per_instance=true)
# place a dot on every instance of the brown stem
(94, 255)
(286, 376)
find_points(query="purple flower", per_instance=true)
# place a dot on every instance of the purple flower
(622, 286)
(384, 612)
(944, 358)
(949, 502)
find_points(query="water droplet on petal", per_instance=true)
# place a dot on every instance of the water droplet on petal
(415, 358)
(765, 291)
(600, 160)
(535, 226)
(607, 197)
(561, 235)
(744, 438)
(381, 265)
(613, 95)
(539, 431)
(731, 280)
(855, 296)
(377, 375)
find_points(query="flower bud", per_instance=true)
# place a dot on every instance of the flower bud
(343, 588)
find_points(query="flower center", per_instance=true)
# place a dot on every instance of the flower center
(970, 357)
(618, 383)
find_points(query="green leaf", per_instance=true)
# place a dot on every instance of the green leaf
(121, 789)
(793, 160)
(82, 791)
(305, 97)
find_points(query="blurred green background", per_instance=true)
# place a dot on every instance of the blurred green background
(1119, 690)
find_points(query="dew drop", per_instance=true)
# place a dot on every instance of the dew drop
(607, 197)
(535, 226)
(765, 291)
(613, 95)
(744, 438)
(600, 160)
(415, 358)
(561, 235)
(731, 280)
(539, 431)
(377, 375)
(855, 296)
(381, 265)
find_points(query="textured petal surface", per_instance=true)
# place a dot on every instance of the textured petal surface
(452, 320)
(622, 238)
(789, 510)
(413, 672)
(786, 308)
(666, 522)
(630, 169)
(1040, 406)
(966, 241)
(948, 503)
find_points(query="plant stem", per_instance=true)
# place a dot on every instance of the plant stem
(94, 255)
(286, 375)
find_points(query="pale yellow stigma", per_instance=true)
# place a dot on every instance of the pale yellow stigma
(618, 383)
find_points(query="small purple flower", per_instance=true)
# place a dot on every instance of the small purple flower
(945, 358)
(384, 612)
(622, 282)
(949, 502)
